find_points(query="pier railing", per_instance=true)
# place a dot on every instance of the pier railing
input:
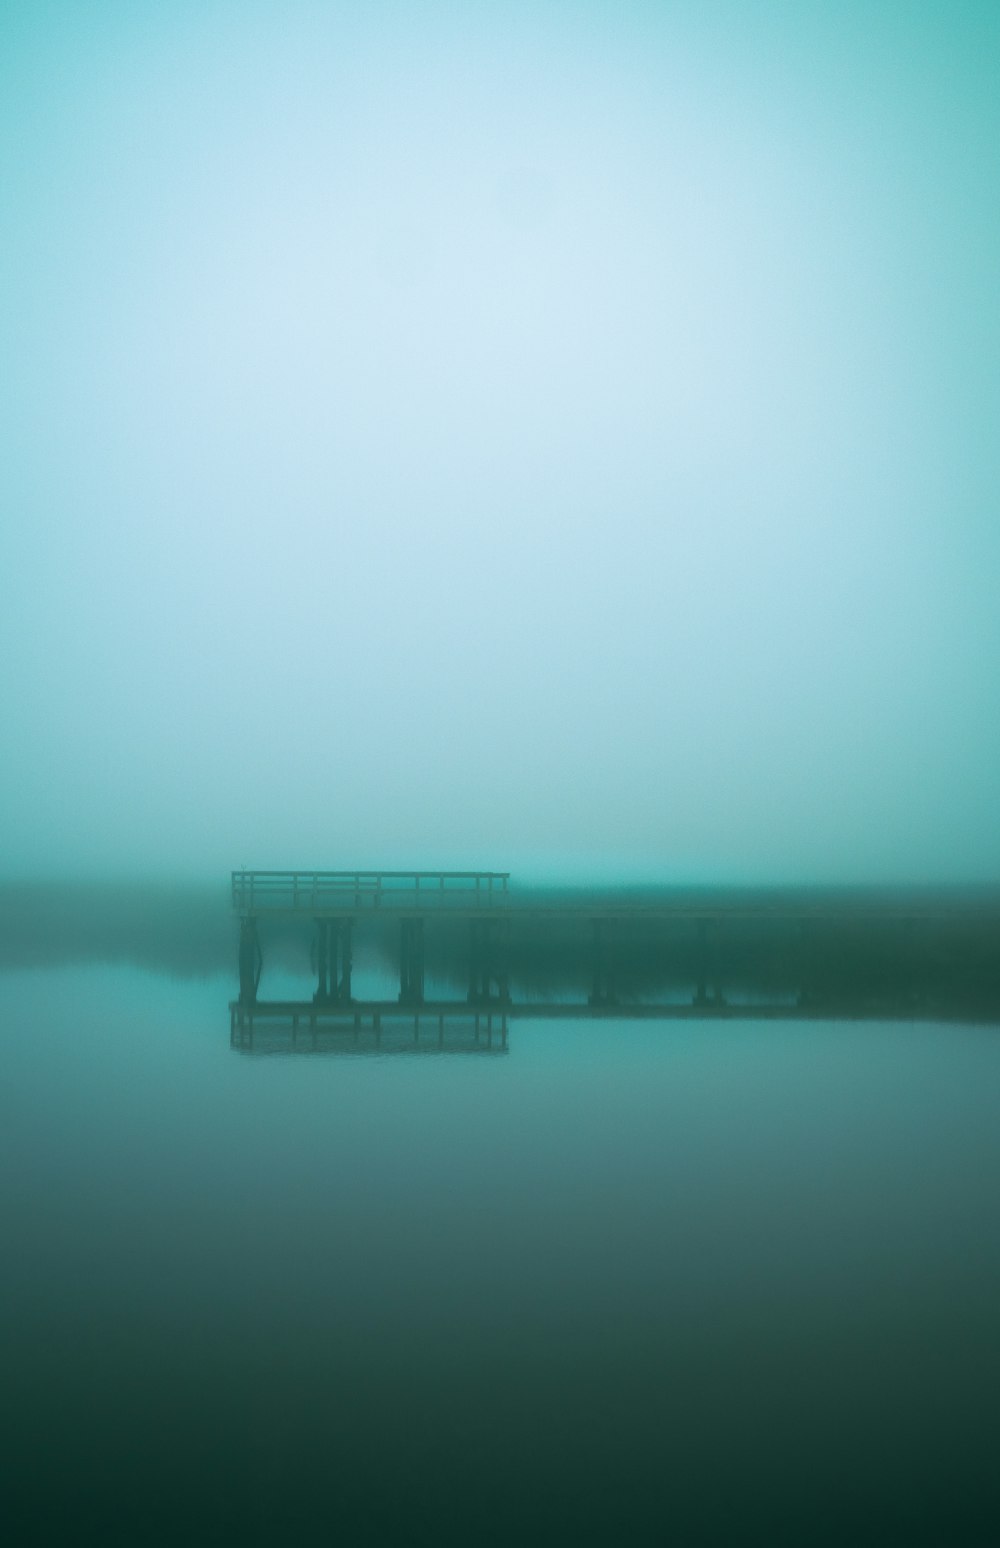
(324, 892)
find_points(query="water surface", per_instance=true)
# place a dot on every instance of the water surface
(709, 1281)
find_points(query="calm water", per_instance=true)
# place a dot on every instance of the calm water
(707, 1282)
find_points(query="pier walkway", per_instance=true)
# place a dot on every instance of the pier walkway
(349, 894)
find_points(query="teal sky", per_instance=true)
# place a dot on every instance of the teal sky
(560, 438)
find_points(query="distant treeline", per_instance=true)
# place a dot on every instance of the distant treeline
(183, 929)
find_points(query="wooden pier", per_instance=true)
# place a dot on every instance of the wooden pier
(917, 952)
(336, 901)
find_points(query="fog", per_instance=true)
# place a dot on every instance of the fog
(559, 439)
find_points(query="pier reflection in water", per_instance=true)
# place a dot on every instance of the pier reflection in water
(302, 1027)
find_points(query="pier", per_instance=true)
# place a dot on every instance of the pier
(509, 955)
(338, 901)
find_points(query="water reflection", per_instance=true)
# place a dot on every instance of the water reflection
(302, 1027)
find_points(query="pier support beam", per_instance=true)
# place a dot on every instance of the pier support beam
(808, 959)
(322, 953)
(488, 957)
(251, 961)
(343, 957)
(334, 959)
(603, 989)
(709, 988)
(909, 992)
(479, 984)
(503, 968)
(411, 961)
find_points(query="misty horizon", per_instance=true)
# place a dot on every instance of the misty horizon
(563, 443)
